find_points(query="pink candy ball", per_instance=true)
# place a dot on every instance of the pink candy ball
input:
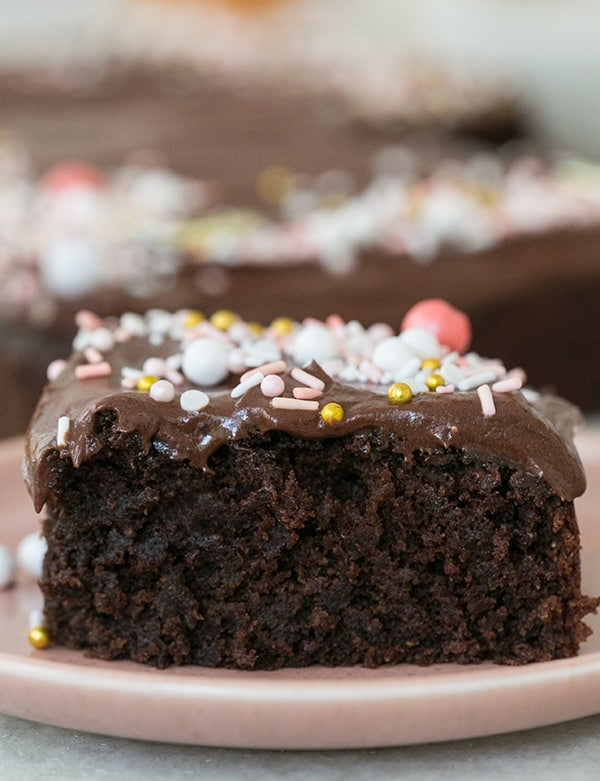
(272, 385)
(72, 174)
(451, 326)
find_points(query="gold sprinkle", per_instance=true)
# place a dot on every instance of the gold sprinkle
(332, 413)
(223, 319)
(274, 183)
(282, 326)
(146, 382)
(430, 363)
(255, 329)
(434, 381)
(399, 393)
(193, 319)
(39, 637)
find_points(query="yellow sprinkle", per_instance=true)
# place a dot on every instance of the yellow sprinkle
(332, 413)
(274, 183)
(399, 393)
(255, 329)
(223, 319)
(39, 637)
(193, 319)
(434, 381)
(282, 326)
(146, 382)
(430, 363)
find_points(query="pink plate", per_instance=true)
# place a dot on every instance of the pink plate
(310, 708)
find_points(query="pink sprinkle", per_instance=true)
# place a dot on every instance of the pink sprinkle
(129, 382)
(89, 371)
(445, 389)
(371, 372)
(122, 334)
(486, 400)
(275, 367)
(306, 393)
(174, 376)
(335, 322)
(311, 321)
(88, 320)
(272, 385)
(518, 372)
(507, 385)
(283, 402)
(55, 369)
(307, 379)
(92, 355)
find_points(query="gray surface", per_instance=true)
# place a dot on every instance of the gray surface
(568, 751)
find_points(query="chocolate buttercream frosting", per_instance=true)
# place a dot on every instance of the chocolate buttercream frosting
(528, 430)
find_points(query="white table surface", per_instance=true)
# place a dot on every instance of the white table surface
(568, 751)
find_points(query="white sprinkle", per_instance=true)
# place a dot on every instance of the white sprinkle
(531, 395)
(468, 383)
(7, 568)
(518, 372)
(36, 619)
(62, 431)
(92, 355)
(174, 361)
(55, 369)
(193, 400)
(507, 385)
(130, 373)
(162, 390)
(102, 339)
(156, 338)
(30, 554)
(155, 367)
(243, 387)
(283, 402)
(174, 376)
(307, 379)
(486, 400)
(445, 389)
(129, 383)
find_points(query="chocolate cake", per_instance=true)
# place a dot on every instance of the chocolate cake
(312, 493)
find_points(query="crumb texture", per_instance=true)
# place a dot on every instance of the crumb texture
(294, 552)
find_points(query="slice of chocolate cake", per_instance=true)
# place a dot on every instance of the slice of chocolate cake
(315, 493)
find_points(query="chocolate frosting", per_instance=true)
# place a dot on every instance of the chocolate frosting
(533, 436)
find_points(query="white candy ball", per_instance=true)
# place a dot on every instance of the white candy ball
(102, 339)
(205, 361)
(134, 323)
(423, 342)
(314, 342)
(392, 354)
(7, 568)
(72, 267)
(30, 554)
(163, 390)
(193, 400)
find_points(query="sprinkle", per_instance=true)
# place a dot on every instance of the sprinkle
(430, 363)
(445, 389)
(102, 339)
(335, 322)
(35, 618)
(223, 319)
(274, 367)
(122, 334)
(518, 372)
(399, 393)
(281, 402)
(62, 431)
(282, 326)
(243, 387)
(30, 554)
(507, 385)
(477, 379)
(193, 319)
(174, 376)
(434, 381)
(130, 373)
(146, 382)
(92, 355)
(332, 413)
(306, 393)
(307, 379)
(55, 369)
(88, 320)
(193, 400)
(162, 390)
(128, 382)
(154, 366)
(272, 385)
(90, 371)
(486, 400)
(39, 637)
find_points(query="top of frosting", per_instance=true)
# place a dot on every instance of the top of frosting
(193, 384)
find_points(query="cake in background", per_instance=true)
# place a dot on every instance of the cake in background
(255, 174)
